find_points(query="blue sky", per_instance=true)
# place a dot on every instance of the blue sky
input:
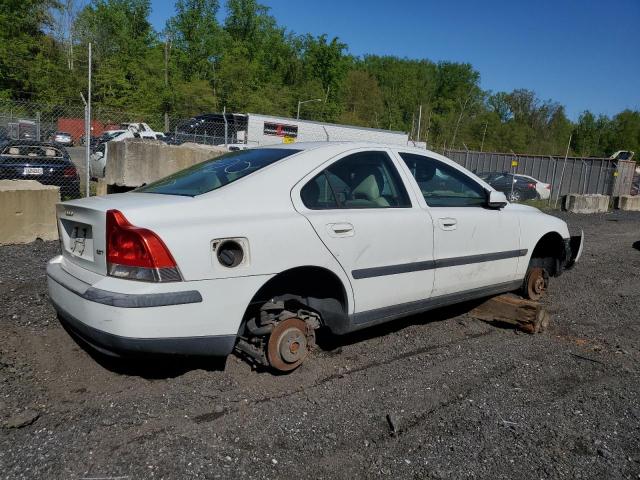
(584, 54)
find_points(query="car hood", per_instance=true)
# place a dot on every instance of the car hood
(522, 208)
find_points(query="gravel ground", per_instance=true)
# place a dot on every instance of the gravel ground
(438, 395)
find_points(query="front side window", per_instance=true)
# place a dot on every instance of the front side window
(217, 172)
(442, 185)
(361, 180)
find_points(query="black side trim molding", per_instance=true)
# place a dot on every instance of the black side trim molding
(385, 314)
(432, 264)
(123, 300)
(118, 346)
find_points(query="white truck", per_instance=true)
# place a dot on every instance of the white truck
(240, 131)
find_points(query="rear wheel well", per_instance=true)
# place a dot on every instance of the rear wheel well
(549, 253)
(318, 288)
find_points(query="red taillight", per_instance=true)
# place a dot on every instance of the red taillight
(548, 186)
(137, 253)
(70, 172)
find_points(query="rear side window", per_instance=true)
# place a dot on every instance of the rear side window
(442, 185)
(217, 172)
(361, 180)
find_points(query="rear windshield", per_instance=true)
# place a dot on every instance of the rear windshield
(217, 172)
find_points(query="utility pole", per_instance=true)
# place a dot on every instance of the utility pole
(463, 107)
(88, 132)
(302, 102)
(419, 123)
(166, 81)
(483, 134)
(426, 138)
(564, 166)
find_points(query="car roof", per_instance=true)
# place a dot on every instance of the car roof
(345, 146)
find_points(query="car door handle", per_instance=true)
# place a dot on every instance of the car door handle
(448, 223)
(340, 229)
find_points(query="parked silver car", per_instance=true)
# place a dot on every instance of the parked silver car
(63, 138)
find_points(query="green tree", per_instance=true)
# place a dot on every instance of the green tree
(362, 99)
(196, 38)
(128, 60)
(25, 50)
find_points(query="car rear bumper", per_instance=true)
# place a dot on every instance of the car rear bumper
(116, 345)
(202, 318)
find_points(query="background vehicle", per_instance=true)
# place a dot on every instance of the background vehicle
(253, 130)
(99, 155)
(45, 162)
(543, 189)
(63, 138)
(516, 187)
(258, 248)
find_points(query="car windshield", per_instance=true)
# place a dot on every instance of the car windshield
(217, 172)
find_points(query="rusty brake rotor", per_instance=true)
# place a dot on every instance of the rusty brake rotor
(536, 283)
(288, 344)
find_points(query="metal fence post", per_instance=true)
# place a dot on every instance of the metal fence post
(87, 176)
(553, 179)
(226, 126)
(87, 144)
(38, 131)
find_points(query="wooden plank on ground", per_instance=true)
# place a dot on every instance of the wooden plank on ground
(526, 315)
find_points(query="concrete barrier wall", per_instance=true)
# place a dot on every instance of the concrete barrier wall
(629, 203)
(27, 211)
(586, 203)
(132, 163)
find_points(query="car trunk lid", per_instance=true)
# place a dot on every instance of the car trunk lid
(82, 224)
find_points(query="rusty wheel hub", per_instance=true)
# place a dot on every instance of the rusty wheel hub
(288, 344)
(536, 283)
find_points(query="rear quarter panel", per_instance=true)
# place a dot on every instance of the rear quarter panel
(257, 208)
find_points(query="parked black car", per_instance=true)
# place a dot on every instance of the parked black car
(513, 186)
(46, 162)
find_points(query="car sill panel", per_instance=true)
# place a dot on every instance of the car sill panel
(382, 315)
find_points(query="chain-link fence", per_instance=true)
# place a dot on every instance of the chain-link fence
(47, 142)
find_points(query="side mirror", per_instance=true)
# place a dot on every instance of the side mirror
(496, 199)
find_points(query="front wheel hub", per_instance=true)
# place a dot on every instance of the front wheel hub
(536, 283)
(289, 344)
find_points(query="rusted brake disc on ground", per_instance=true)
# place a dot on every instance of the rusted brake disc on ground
(289, 344)
(536, 283)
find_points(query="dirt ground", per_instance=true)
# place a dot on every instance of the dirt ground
(438, 395)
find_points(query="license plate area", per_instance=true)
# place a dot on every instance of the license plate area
(77, 239)
(33, 171)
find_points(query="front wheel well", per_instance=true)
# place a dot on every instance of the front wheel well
(316, 287)
(549, 253)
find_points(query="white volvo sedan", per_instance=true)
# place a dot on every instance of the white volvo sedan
(257, 249)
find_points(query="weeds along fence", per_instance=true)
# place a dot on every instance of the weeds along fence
(581, 175)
